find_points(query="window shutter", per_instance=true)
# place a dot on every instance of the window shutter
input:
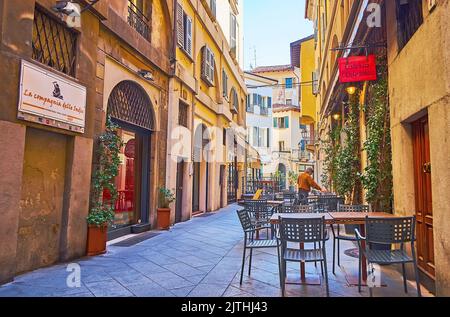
(233, 32)
(224, 83)
(275, 122)
(213, 7)
(286, 122)
(269, 102)
(268, 137)
(204, 61)
(188, 43)
(180, 25)
(212, 65)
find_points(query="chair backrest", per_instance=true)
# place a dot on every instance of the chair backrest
(289, 196)
(320, 208)
(297, 209)
(390, 230)
(245, 219)
(331, 201)
(353, 208)
(256, 205)
(302, 230)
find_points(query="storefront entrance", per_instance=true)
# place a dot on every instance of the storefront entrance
(130, 108)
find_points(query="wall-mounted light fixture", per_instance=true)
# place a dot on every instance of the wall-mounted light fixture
(351, 90)
(146, 74)
(336, 117)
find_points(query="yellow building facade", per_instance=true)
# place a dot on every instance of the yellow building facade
(206, 159)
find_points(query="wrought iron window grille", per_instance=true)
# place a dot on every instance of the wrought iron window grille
(54, 44)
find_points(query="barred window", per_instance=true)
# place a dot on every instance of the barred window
(409, 19)
(138, 17)
(54, 44)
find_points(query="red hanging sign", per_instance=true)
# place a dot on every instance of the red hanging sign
(357, 68)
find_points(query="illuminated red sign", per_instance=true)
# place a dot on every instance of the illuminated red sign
(357, 68)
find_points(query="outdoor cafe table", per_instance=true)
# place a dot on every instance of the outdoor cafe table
(335, 218)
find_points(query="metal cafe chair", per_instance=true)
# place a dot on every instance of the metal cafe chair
(260, 213)
(338, 236)
(331, 201)
(250, 243)
(302, 231)
(389, 231)
(289, 197)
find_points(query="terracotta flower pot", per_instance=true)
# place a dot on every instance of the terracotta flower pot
(96, 241)
(163, 218)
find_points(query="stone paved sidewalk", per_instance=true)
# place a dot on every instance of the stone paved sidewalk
(199, 258)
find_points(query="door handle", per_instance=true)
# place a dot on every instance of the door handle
(427, 168)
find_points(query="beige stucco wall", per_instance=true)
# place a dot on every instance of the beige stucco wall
(419, 84)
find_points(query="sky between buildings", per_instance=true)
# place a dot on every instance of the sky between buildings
(269, 28)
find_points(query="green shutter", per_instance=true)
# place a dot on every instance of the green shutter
(287, 122)
(275, 122)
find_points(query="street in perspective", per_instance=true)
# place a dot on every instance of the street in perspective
(252, 151)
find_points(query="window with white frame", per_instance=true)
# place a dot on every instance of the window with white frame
(184, 30)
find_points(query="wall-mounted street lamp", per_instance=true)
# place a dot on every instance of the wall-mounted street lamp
(336, 117)
(351, 90)
(70, 11)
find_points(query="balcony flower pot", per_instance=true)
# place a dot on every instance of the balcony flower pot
(163, 215)
(166, 197)
(96, 241)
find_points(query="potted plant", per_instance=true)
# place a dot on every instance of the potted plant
(166, 197)
(293, 179)
(104, 192)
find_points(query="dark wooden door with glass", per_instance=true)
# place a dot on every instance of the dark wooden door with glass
(179, 202)
(424, 207)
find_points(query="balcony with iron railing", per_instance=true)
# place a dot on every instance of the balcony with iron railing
(138, 20)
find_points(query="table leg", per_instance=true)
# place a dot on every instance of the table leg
(310, 280)
(362, 229)
(302, 266)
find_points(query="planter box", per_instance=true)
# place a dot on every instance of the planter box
(163, 218)
(96, 241)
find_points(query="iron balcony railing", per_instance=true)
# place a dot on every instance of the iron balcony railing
(264, 111)
(138, 21)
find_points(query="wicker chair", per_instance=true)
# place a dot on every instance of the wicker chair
(338, 236)
(302, 231)
(250, 243)
(389, 231)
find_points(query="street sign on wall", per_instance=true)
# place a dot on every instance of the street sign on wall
(50, 99)
(357, 68)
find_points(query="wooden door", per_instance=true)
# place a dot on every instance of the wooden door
(424, 207)
(179, 202)
(196, 189)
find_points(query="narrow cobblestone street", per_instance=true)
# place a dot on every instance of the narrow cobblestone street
(199, 258)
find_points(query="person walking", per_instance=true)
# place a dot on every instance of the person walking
(306, 183)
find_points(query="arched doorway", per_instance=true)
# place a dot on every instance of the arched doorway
(201, 170)
(131, 109)
(282, 174)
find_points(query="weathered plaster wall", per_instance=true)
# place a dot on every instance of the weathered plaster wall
(11, 165)
(41, 204)
(419, 84)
